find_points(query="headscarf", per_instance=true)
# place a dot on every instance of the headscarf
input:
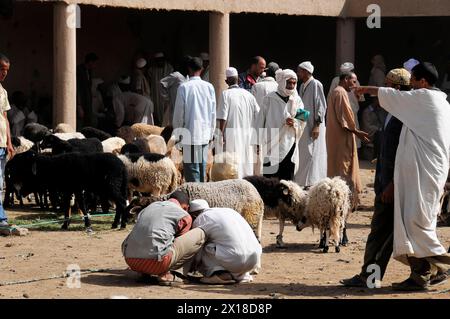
(281, 77)
(347, 67)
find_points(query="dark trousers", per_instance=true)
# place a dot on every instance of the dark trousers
(379, 243)
(285, 169)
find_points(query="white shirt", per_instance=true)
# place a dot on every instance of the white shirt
(231, 244)
(195, 112)
(264, 87)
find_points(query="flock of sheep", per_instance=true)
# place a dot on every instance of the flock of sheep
(142, 164)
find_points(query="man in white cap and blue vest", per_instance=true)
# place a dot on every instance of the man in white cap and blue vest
(236, 117)
(312, 145)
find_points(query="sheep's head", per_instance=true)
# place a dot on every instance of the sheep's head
(293, 200)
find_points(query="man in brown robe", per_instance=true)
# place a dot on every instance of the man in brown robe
(340, 136)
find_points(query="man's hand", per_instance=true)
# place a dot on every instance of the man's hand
(387, 196)
(315, 132)
(363, 136)
(290, 121)
(10, 150)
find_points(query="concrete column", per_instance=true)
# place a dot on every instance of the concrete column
(345, 41)
(64, 65)
(219, 50)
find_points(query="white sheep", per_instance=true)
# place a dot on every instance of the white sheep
(150, 173)
(156, 144)
(64, 128)
(68, 136)
(225, 166)
(24, 146)
(113, 145)
(327, 208)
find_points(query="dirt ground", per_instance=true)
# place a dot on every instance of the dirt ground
(299, 271)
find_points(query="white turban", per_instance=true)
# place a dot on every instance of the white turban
(198, 204)
(410, 64)
(140, 63)
(282, 76)
(231, 72)
(347, 67)
(307, 66)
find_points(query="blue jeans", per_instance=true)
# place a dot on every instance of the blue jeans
(2, 176)
(194, 162)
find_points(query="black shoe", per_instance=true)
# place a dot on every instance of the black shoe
(409, 285)
(439, 279)
(355, 281)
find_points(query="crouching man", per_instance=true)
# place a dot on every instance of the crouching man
(231, 250)
(162, 239)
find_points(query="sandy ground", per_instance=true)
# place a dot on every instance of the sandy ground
(300, 271)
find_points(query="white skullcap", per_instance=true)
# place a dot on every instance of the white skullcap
(125, 80)
(231, 72)
(198, 204)
(307, 66)
(159, 55)
(410, 64)
(347, 67)
(140, 63)
(204, 56)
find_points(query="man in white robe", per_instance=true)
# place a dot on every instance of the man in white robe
(157, 71)
(354, 99)
(236, 116)
(267, 85)
(421, 169)
(231, 251)
(312, 146)
(279, 130)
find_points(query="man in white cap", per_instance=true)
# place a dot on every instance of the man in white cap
(205, 73)
(159, 69)
(194, 121)
(278, 129)
(231, 250)
(139, 83)
(312, 145)
(236, 116)
(353, 98)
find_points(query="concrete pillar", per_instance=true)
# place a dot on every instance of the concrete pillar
(64, 65)
(345, 41)
(219, 50)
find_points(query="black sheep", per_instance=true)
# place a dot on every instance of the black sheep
(59, 146)
(102, 174)
(139, 145)
(35, 132)
(94, 132)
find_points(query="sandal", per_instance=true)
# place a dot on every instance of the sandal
(169, 279)
(217, 280)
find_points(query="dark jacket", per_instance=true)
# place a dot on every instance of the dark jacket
(389, 138)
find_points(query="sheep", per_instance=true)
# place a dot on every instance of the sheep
(144, 130)
(225, 167)
(126, 133)
(58, 146)
(102, 174)
(156, 144)
(327, 208)
(237, 194)
(69, 136)
(282, 199)
(166, 133)
(94, 132)
(150, 173)
(113, 145)
(64, 128)
(139, 145)
(21, 144)
(35, 132)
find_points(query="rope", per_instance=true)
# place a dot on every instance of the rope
(10, 228)
(64, 275)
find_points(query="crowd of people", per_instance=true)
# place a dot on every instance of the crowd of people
(278, 123)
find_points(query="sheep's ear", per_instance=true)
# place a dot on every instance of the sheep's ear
(34, 168)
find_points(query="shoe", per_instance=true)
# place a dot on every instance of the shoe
(439, 279)
(356, 281)
(4, 223)
(409, 285)
(216, 280)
